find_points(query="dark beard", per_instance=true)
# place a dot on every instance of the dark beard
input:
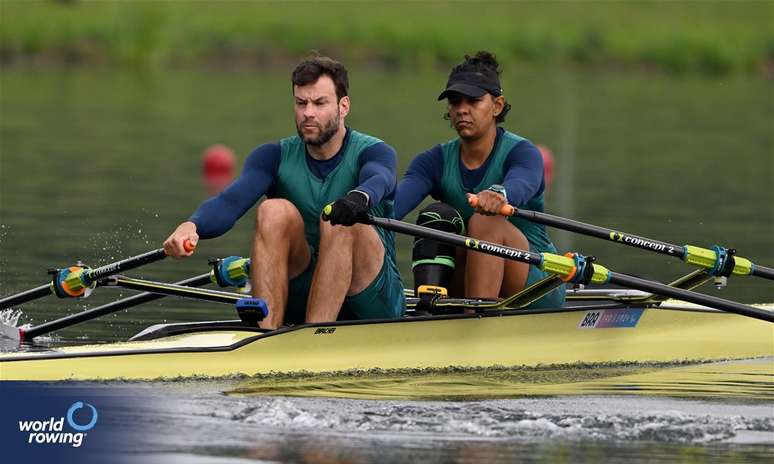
(326, 134)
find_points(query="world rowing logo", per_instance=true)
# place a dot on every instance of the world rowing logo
(81, 428)
(51, 431)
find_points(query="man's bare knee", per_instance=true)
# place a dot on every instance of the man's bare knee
(277, 216)
(337, 234)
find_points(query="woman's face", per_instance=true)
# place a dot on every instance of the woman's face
(473, 117)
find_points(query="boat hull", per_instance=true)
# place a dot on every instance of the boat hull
(525, 338)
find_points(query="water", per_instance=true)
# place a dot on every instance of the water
(193, 421)
(99, 165)
(485, 431)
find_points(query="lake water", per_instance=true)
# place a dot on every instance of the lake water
(98, 165)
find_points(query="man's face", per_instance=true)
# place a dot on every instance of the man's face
(472, 117)
(318, 113)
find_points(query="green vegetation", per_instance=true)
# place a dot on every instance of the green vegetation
(705, 37)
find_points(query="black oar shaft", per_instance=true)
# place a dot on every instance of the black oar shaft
(762, 271)
(91, 276)
(23, 297)
(693, 297)
(602, 232)
(524, 256)
(126, 264)
(48, 327)
(690, 254)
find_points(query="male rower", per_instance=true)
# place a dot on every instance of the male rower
(498, 166)
(307, 269)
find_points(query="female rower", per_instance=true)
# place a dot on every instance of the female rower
(498, 166)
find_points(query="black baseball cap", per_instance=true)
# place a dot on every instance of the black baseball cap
(472, 83)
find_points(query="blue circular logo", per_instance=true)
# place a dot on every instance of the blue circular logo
(81, 428)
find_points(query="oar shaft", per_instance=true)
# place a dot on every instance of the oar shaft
(23, 297)
(109, 308)
(762, 271)
(591, 230)
(89, 277)
(524, 256)
(125, 264)
(692, 297)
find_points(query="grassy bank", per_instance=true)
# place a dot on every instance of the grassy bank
(681, 37)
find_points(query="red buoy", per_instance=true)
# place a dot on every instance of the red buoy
(218, 168)
(548, 165)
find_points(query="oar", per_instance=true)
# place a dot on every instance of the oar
(718, 261)
(576, 269)
(109, 308)
(232, 269)
(74, 281)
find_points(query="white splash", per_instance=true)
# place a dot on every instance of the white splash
(10, 316)
(8, 320)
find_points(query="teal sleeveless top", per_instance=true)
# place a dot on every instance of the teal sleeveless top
(454, 193)
(296, 183)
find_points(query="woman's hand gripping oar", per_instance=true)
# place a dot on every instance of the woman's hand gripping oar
(717, 261)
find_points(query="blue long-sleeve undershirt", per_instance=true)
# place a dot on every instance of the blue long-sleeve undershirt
(217, 215)
(522, 176)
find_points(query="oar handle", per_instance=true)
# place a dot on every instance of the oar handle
(506, 210)
(93, 275)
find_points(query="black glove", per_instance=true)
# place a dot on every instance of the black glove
(347, 211)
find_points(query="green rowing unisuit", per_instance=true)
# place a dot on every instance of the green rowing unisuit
(383, 298)
(296, 183)
(454, 193)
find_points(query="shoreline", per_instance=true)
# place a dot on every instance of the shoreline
(724, 38)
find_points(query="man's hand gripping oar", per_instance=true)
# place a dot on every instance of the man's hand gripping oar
(78, 282)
